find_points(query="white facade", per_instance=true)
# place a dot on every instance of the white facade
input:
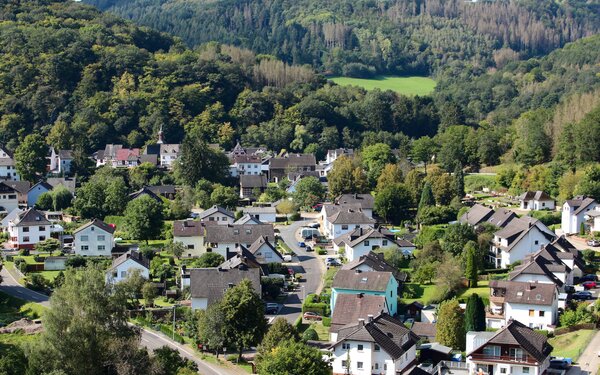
(120, 272)
(263, 214)
(9, 201)
(365, 246)
(332, 231)
(93, 241)
(368, 358)
(8, 171)
(266, 255)
(565, 277)
(531, 242)
(537, 205)
(218, 218)
(27, 236)
(570, 221)
(194, 245)
(507, 368)
(533, 316)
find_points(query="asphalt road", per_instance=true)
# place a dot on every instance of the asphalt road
(11, 287)
(309, 265)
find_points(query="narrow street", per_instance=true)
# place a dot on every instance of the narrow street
(11, 287)
(589, 361)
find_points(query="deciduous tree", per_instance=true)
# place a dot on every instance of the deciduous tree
(144, 218)
(30, 157)
(291, 358)
(450, 325)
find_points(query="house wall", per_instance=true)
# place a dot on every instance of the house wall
(199, 303)
(266, 255)
(373, 362)
(570, 224)
(529, 244)
(365, 246)
(265, 217)
(26, 237)
(120, 273)
(506, 368)
(9, 201)
(89, 242)
(224, 249)
(566, 278)
(520, 312)
(194, 246)
(218, 218)
(336, 230)
(64, 166)
(34, 194)
(537, 205)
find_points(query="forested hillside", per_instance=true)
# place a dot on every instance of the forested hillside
(358, 38)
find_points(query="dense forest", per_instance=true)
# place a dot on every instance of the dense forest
(358, 38)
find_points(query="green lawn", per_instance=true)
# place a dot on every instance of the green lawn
(571, 344)
(423, 293)
(401, 85)
(321, 330)
(12, 309)
(483, 290)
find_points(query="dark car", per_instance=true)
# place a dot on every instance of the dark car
(301, 244)
(561, 364)
(582, 296)
(569, 289)
(308, 248)
(271, 308)
(588, 277)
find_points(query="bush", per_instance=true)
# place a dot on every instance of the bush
(358, 70)
(24, 252)
(23, 267)
(326, 321)
(310, 334)
(321, 251)
(431, 215)
(295, 216)
(76, 261)
(316, 304)
(271, 288)
(547, 217)
(36, 282)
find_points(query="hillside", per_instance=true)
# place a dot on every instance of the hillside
(356, 38)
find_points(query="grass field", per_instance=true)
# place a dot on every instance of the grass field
(401, 85)
(571, 344)
(423, 293)
(12, 309)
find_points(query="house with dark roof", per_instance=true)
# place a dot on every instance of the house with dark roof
(265, 214)
(190, 233)
(252, 186)
(166, 191)
(68, 183)
(514, 349)
(95, 238)
(479, 214)
(522, 236)
(351, 307)
(361, 241)
(124, 265)
(208, 285)
(216, 215)
(28, 228)
(279, 167)
(366, 202)
(378, 345)
(547, 265)
(592, 218)
(325, 166)
(36, 190)
(8, 169)
(245, 164)
(22, 188)
(574, 212)
(265, 252)
(145, 191)
(536, 200)
(9, 199)
(224, 239)
(375, 262)
(247, 219)
(374, 283)
(501, 217)
(424, 330)
(337, 220)
(534, 304)
(60, 161)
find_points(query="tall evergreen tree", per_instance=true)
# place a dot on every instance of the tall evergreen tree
(426, 196)
(475, 314)
(471, 271)
(459, 181)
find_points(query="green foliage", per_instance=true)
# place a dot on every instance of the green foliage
(393, 203)
(374, 159)
(44, 201)
(456, 238)
(224, 196)
(167, 361)
(211, 328)
(149, 293)
(143, 218)
(432, 215)
(208, 260)
(471, 271)
(279, 332)
(271, 288)
(293, 357)
(581, 314)
(30, 158)
(590, 183)
(450, 325)
(475, 314)
(427, 199)
(104, 194)
(346, 177)
(49, 245)
(309, 191)
(310, 334)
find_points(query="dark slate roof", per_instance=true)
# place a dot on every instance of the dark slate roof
(515, 333)
(43, 184)
(501, 217)
(476, 215)
(187, 228)
(534, 195)
(366, 201)
(518, 228)
(31, 217)
(6, 188)
(22, 187)
(244, 234)
(163, 189)
(133, 255)
(213, 210)
(247, 219)
(65, 154)
(390, 334)
(69, 183)
(526, 293)
(376, 262)
(424, 330)
(242, 258)
(293, 160)
(245, 159)
(145, 191)
(350, 307)
(211, 283)
(253, 181)
(260, 241)
(97, 223)
(539, 266)
(169, 148)
(350, 216)
(579, 204)
(357, 280)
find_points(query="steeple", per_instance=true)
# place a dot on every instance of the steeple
(160, 136)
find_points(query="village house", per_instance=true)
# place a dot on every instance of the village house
(574, 212)
(534, 304)
(124, 265)
(593, 219)
(95, 238)
(223, 239)
(547, 265)
(520, 237)
(375, 262)
(243, 259)
(166, 191)
(378, 345)
(267, 214)
(12, 215)
(264, 251)
(366, 202)
(245, 164)
(22, 188)
(479, 214)
(190, 233)
(361, 241)
(36, 190)
(326, 165)
(368, 283)
(162, 154)
(68, 183)
(279, 167)
(216, 215)
(27, 229)
(515, 349)
(351, 307)
(8, 169)
(252, 186)
(208, 285)
(535, 200)
(337, 220)
(60, 161)
(145, 191)
(247, 219)
(9, 200)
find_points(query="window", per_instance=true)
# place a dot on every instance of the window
(123, 274)
(344, 227)
(525, 370)
(211, 219)
(359, 365)
(503, 370)
(491, 350)
(360, 348)
(42, 228)
(191, 247)
(101, 237)
(385, 367)
(26, 239)
(366, 243)
(376, 366)
(384, 242)
(84, 238)
(377, 348)
(536, 242)
(42, 238)
(531, 312)
(101, 247)
(85, 248)
(345, 346)
(344, 364)
(516, 354)
(25, 229)
(542, 313)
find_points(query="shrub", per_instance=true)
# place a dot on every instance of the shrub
(295, 216)
(321, 251)
(24, 252)
(76, 261)
(36, 282)
(23, 267)
(310, 334)
(547, 217)
(326, 321)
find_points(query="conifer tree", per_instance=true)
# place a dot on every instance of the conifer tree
(475, 314)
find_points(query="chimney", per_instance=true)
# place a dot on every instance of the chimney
(361, 322)
(370, 318)
(357, 271)
(360, 295)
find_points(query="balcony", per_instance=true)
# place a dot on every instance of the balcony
(497, 299)
(503, 359)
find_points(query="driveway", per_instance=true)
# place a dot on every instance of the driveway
(589, 361)
(309, 264)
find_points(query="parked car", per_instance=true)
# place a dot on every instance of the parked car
(582, 296)
(560, 363)
(271, 308)
(569, 289)
(593, 243)
(333, 262)
(588, 277)
(311, 316)
(589, 284)
(315, 225)
(308, 248)
(301, 244)
(287, 258)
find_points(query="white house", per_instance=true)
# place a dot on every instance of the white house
(351, 307)
(191, 234)
(265, 252)
(247, 219)
(378, 345)
(216, 215)
(9, 200)
(263, 214)
(536, 200)
(366, 202)
(27, 229)
(223, 239)
(326, 165)
(514, 349)
(95, 238)
(573, 213)
(169, 152)
(520, 237)
(245, 165)
(207, 285)
(533, 304)
(361, 241)
(8, 170)
(60, 162)
(547, 265)
(337, 220)
(593, 219)
(125, 264)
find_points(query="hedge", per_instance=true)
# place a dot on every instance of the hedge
(326, 321)
(313, 303)
(575, 327)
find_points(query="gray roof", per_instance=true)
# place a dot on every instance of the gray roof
(187, 228)
(534, 195)
(501, 217)
(247, 219)
(350, 307)
(65, 154)
(242, 258)
(43, 184)
(425, 330)
(22, 187)
(30, 217)
(97, 223)
(214, 209)
(6, 188)
(260, 241)
(68, 183)
(515, 333)
(253, 181)
(519, 227)
(145, 191)
(366, 201)
(169, 148)
(366, 281)
(476, 215)
(350, 216)
(239, 234)
(163, 189)
(293, 160)
(528, 293)
(540, 266)
(390, 334)
(133, 255)
(580, 203)
(375, 262)
(259, 210)
(211, 283)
